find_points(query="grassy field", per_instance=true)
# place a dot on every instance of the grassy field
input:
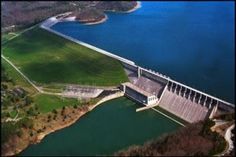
(46, 103)
(47, 58)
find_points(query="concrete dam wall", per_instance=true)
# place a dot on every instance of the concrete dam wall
(186, 102)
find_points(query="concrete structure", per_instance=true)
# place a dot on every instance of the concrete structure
(187, 103)
(138, 94)
(81, 92)
(152, 88)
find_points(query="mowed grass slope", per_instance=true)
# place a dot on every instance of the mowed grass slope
(47, 58)
(47, 103)
(17, 78)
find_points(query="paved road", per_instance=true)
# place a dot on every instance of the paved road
(36, 87)
(228, 136)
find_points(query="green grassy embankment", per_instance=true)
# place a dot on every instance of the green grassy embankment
(26, 111)
(47, 103)
(47, 58)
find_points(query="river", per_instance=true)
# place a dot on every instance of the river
(110, 127)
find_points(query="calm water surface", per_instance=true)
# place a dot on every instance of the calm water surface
(192, 42)
(108, 128)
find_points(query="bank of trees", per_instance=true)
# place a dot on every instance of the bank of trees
(15, 101)
(9, 129)
(195, 139)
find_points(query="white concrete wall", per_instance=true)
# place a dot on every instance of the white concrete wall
(153, 100)
(110, 97)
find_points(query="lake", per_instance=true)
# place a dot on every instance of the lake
(192, 42)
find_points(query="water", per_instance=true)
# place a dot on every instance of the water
(192, 42)
(108, 128)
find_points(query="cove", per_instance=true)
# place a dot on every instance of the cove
(110, 127)
(192, 42)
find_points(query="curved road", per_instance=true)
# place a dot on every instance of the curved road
(228, 136)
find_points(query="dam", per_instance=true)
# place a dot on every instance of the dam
(181, 100)
(151, 88)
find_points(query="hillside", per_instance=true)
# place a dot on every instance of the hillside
(194, 140)
(47, 58)
(23, 14)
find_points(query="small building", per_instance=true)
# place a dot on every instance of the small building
(139, 94)
(19, 92)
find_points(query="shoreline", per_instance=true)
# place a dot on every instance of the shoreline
(41, 136)
(104, 19)
(138, 5)
(96, 22)
(90, 108)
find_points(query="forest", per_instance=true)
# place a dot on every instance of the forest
(22, 14)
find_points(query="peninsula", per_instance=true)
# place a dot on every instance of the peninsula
(20, 15)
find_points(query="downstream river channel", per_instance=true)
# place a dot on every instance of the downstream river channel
(192, 42)
(110, 127)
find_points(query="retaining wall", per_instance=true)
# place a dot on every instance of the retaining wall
(131, 67)
(153, 76)
(109, 97)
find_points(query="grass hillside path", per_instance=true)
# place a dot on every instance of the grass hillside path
(37, 88)
(26, 78)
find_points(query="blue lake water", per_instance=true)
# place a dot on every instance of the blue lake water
(192, 42)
